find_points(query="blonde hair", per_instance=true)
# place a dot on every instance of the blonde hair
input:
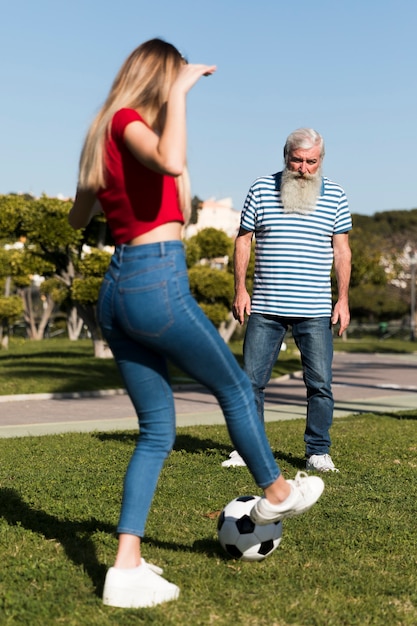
(142, 83)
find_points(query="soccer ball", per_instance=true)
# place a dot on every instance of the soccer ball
(243, 539)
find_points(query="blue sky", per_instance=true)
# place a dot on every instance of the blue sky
(347, 69)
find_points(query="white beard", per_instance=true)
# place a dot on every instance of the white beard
(299, 193)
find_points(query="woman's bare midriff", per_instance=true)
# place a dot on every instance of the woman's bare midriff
(166, 232)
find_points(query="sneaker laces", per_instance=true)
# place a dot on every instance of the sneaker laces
(300, 480)
(328, 461)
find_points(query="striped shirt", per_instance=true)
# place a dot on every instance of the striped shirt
(293, 253)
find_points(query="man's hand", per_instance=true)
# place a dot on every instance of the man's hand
(241, 305)
(341, 314)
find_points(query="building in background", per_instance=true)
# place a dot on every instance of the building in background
(218, 214)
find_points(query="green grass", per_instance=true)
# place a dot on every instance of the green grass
(349, 561)
(54, 365)
(62, 366)
(373, 345)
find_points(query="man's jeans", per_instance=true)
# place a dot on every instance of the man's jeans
(148, 315)
(313, 337)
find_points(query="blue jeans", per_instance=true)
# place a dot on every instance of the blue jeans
(148, 315)
(314, 339)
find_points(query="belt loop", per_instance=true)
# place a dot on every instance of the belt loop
(162, 248)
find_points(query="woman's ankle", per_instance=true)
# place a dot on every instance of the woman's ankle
(128, 552)
(278, 491)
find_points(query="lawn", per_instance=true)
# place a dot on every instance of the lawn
(63, 366)
(350, 561)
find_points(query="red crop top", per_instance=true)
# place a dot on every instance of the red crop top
(135, 199)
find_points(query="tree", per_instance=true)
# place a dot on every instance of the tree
(370, 302)
(56, 252)
(85, 291)
(368, 279)
(211, 280)
(17, 264)
(213, 243)
(213, 290)
(377, 244)
(11, 308)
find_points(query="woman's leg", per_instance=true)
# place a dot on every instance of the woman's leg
(146, 378)
(194, 345)
(128, 552)
(132, 582)
(153, 306)
(153, 314)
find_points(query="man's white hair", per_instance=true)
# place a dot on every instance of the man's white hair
(304, 138)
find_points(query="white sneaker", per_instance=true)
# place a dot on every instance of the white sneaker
(234, 460)
(320, 463)
(305, 491)
(138, 587)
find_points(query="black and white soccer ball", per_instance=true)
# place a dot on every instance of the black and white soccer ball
(243, 539)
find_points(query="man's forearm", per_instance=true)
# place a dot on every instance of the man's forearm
(243, 246)
(343, 271)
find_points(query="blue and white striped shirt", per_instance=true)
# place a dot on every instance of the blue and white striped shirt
(293, 253)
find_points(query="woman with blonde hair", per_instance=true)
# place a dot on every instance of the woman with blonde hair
(133, 167)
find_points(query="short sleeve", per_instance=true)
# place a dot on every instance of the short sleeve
(249, 212)
(343, 222)
(121, 119)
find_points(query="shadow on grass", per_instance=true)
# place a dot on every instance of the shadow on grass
(73, 536)
(196, 445)
(209, 547)
(44, 354)
(183, 442)
(402, 415)
(397, 415)
(297, 462)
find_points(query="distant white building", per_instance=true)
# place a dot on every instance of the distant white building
(218, 214)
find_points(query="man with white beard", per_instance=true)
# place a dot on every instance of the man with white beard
(300, 220)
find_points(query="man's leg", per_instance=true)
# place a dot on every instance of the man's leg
(261, 347)
(263, 339)
(314, 339)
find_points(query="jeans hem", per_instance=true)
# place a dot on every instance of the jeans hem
(130, 531)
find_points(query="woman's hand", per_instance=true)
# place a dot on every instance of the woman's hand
(190, 74)
(166, 153)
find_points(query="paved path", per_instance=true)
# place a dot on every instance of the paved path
(361, 383)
